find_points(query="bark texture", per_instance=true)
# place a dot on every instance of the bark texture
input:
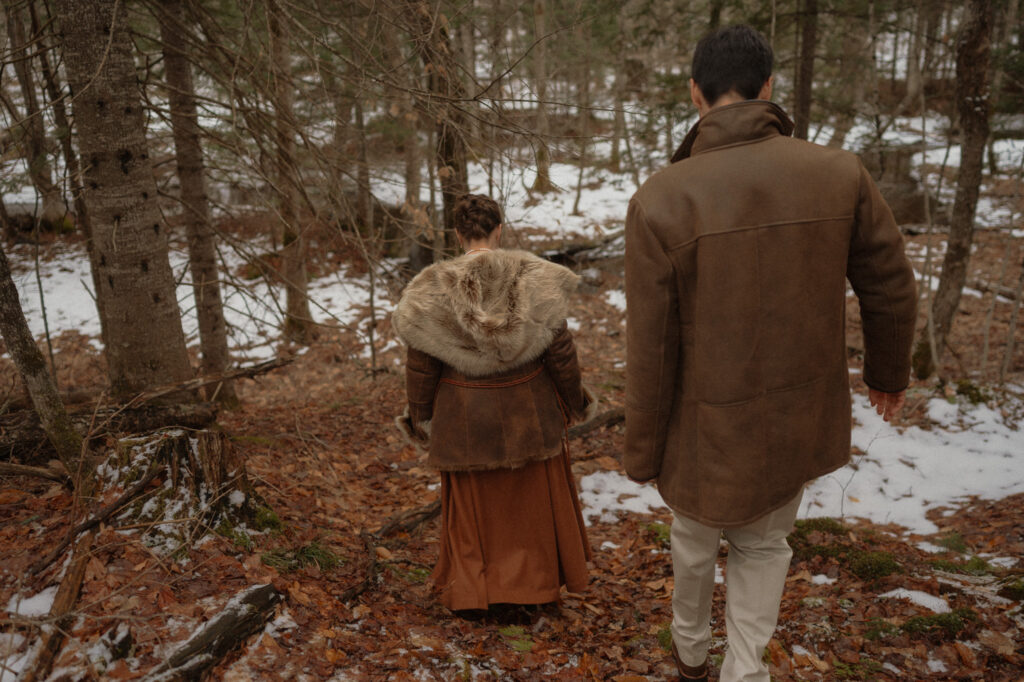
(202, 252)
(32, 367)
(145, 345)
(243, 616)
(430, 34)
(972, 79)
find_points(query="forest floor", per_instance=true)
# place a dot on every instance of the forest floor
(863, 601)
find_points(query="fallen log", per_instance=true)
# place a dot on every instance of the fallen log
(577, 252)
(998, 289)
(22, 435)
(607, 418)
(49, 473)
(60, 613)
(243, 616)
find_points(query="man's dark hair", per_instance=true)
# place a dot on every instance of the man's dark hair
(734, 58)
(476, 216)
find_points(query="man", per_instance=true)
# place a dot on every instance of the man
(737, 388)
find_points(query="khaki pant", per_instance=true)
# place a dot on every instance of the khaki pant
(755, 576)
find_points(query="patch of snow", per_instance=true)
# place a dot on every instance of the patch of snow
(893, 669)
(236, 498)
(928, 601)
(12, 660)
(821, 579)
(603, 493)
(929, 547)
(573, 324)
(906, 470)
(1001, 561)
(34, 606)
(800, 651)
(608, 544)
(719, 575)
(935, 665)
(616, 298)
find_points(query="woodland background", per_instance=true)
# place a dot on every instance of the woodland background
(208, 209)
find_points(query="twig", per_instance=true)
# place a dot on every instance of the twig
(409, 519)
(372, 569)
(10, 469)
(96, 520)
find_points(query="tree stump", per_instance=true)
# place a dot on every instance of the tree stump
(204, 486)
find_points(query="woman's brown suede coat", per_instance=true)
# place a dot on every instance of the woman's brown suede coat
(737, 258)
(491, 375)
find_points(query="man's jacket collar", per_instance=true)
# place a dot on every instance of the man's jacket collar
(747, 121)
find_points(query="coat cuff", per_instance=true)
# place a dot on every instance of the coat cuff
(416, 434)
(592, 405)
(645, 444)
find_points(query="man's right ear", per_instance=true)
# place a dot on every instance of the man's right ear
(698, 98)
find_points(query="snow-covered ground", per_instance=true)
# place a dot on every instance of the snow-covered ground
(970, 450)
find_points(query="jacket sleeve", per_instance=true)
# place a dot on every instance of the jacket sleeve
(422, 374)
(883, 280)
(652, 346)
(562, 364)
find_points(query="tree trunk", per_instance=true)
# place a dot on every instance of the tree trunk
(297, 319)
(364, 197)
(430, 34)
(805, 68)
(542, 183)
(851, 79)
(32, 367)
(715, 14)
(915, 74)
(136, 296)
(202, 248)
(972, 72)
(33, 131)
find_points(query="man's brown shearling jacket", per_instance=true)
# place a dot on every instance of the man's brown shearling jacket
(491, 373)
(737, 258)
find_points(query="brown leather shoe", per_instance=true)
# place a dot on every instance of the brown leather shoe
(688, 672)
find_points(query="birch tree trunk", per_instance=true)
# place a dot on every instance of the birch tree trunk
(32, 367)
(972, 77)
(298, 321)
(33, 130)
(145, 345)
(202, 248)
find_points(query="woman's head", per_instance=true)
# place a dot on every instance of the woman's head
(476, 217)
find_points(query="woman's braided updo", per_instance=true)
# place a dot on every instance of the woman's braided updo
(476, 216)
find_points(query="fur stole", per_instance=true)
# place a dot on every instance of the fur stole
(485, 313)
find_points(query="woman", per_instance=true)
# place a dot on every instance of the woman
(492, 381)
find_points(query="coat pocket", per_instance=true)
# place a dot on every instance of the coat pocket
(731, 456)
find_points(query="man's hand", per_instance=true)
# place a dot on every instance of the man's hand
(888, 405)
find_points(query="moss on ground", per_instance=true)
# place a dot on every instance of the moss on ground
(313, 554)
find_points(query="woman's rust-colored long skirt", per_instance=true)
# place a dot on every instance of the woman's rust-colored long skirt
(510, 536)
